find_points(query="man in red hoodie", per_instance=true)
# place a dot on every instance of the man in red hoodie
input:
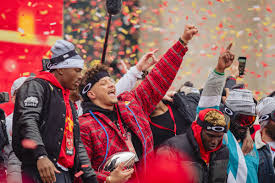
(46, 136)
(202, 143)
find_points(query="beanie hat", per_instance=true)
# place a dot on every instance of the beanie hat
(17, 84)
(65, 56)
(212, 119)
(265, 106)
(241, 100)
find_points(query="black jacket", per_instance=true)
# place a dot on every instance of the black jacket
(187, 105)
(215, 172)
(39, 115)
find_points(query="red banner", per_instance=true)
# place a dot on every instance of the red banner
(28, 28)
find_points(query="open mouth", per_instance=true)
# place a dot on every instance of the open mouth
(112, 93)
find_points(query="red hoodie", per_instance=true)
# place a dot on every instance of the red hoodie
(64, 159)
(205, 155)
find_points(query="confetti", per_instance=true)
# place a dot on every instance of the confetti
(143, 26)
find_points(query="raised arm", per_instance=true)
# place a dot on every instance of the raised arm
(159, 80)
(212, 91)
(128, 81)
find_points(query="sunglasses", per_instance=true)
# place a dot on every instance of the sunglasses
(216, 128)
(268, 116)
(243, 119)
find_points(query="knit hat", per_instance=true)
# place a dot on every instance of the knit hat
(65, 56)
(17, 84)
(265, 106)
(212, 119)
(241, 100)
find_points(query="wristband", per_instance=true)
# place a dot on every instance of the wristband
(41, 157)
(219, 73)
(182, 42)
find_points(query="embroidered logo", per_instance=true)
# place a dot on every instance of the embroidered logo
(31, 102)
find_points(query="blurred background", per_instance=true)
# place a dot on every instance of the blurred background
(28, 28)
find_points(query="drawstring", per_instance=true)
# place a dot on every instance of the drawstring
(107, 148)
(173, 119)
(141, 134)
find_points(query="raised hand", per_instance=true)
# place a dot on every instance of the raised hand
(189, 32)
(169, 96)
(225, 59)
(144, 63)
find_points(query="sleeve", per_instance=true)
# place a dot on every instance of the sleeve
(89, 175)
(87, 144)
(14, 167)
(153, 88)
(14, 164)
(128, 81)
(27, 111)
(212, 92)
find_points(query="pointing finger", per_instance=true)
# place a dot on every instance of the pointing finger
(229, 46)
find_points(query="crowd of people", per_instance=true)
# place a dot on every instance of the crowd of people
(68, 125)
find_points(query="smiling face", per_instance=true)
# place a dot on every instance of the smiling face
(103, 93)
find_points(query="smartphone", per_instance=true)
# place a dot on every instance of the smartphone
(242, 62)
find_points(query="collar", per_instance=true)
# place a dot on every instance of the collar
(88, 105)
(51, 78)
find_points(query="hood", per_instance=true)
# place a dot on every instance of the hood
(51, 78)
(205, 155)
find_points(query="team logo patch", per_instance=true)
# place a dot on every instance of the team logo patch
(31, 102)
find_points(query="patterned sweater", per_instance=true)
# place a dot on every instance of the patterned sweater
(102, 138)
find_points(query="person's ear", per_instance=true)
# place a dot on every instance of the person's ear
(91, 95)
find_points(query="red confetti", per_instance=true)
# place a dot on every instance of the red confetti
(264, 64)
(268, 9)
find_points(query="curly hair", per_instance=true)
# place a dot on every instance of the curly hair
(90, 74)
(215, 118)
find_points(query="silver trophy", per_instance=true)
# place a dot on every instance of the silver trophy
(128, 158)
